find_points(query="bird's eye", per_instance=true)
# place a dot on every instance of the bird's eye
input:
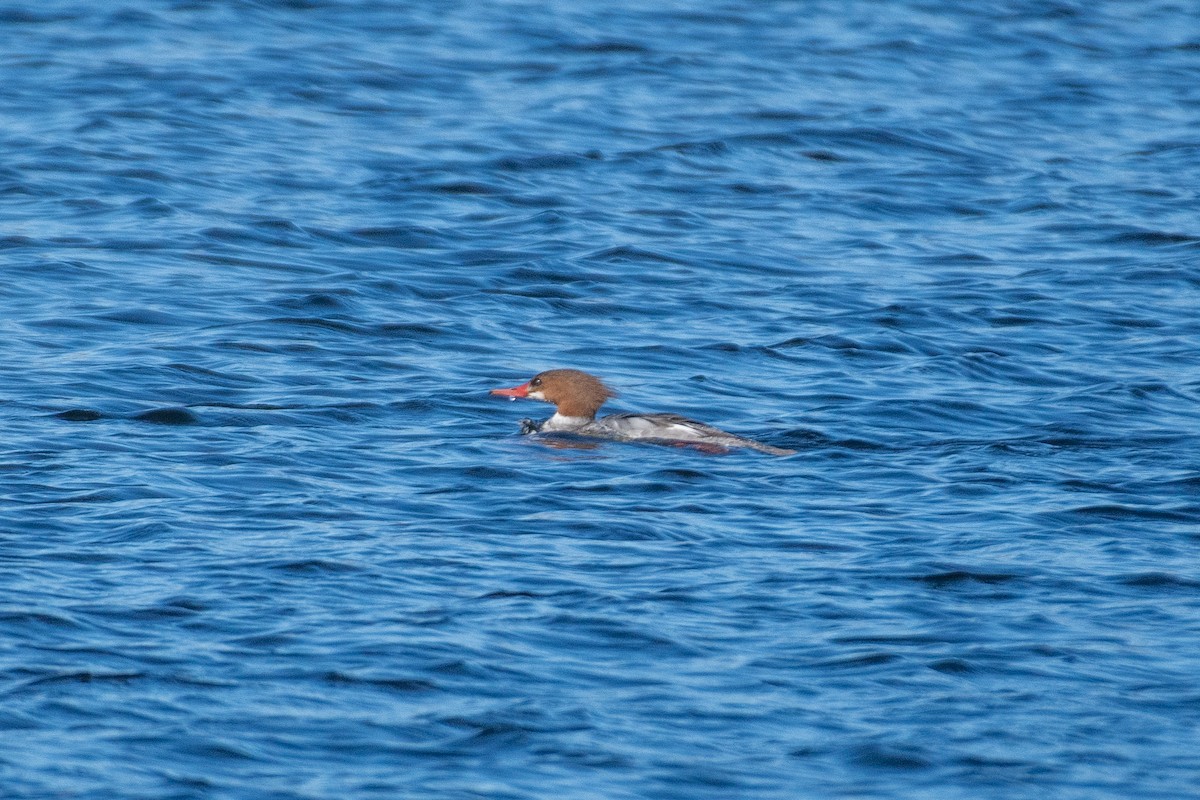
(535, 383)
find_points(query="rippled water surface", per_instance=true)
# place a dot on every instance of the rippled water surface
(264, 534)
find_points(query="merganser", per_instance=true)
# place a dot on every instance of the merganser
(577, 396)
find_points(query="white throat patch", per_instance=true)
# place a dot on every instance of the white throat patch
(560, 423)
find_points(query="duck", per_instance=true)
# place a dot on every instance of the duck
(577, 397)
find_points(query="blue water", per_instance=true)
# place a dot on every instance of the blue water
(264, 534)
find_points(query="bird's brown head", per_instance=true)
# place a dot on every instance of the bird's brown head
(573, 393)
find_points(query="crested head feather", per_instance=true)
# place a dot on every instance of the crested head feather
(573, 392)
